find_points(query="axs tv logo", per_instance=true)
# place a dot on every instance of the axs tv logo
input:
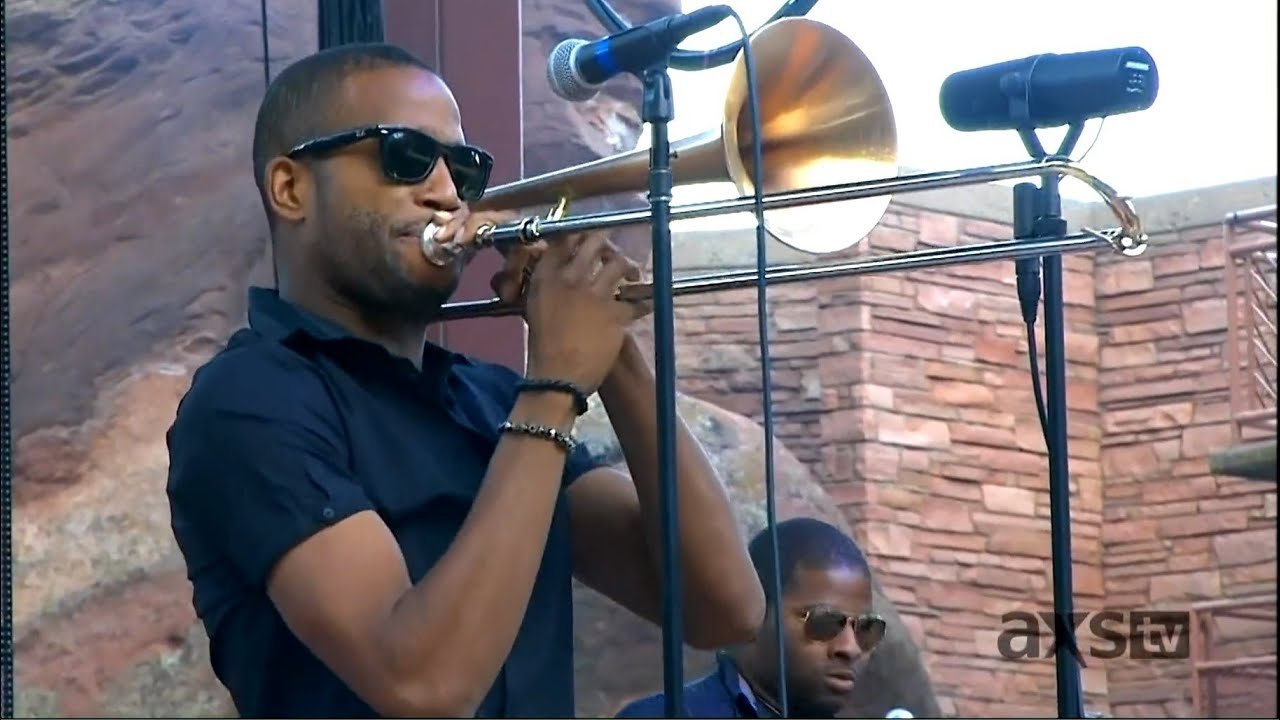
(1135, 634)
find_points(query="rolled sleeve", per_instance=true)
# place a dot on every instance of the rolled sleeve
(258, 465)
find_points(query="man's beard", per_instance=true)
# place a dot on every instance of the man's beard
(800, 693)
(414, 301)
(387, 287)
(798, 702)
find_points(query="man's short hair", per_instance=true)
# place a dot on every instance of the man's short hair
(302, 103)
(808, 543)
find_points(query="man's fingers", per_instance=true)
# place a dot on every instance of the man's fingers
(448, 232)
(640, 308)
(508, 285)
(517, 268)
(615, 268)
(521, 255)
(634, 271)
(587, 254)
(463, 226)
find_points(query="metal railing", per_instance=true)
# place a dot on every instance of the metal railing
(1241, 686)
(1250, 240)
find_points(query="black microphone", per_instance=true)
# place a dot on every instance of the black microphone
(1050, 90)
(576, 68)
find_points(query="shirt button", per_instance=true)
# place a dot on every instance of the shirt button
(327, 513)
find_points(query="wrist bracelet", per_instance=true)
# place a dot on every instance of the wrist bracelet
(563, 386)
(545, 432)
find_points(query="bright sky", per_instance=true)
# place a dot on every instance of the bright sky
(1213, 122)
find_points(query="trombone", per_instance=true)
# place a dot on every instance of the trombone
(830, 144)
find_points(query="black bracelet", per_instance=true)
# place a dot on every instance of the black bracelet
(545, 432)
(564, 386)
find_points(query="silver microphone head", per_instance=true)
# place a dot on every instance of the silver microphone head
(562, 78)
(899, 713)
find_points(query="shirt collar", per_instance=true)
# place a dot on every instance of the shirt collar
(282, 320)
(744, 698)
(744, 689)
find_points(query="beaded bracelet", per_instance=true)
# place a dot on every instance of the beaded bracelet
(565, 442)
(564, 386)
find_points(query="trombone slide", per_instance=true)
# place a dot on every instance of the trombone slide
(897, 262)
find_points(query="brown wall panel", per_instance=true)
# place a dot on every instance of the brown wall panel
(475, 45)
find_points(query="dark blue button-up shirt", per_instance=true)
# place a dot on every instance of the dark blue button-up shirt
(296, 425)
(721, 694)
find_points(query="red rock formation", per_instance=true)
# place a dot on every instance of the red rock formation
(136, 231)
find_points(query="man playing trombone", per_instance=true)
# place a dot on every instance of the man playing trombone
(374, 525)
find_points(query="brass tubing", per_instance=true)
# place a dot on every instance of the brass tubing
(915, 260)
(1131, 240)
(1128, 238)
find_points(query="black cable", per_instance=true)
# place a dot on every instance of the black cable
(1037, 213)
(1029, 288)
(266, 48)
(1030, 300)
(266, 85)
(1036, 388)
(1026, 208)
(699, 60)
(690, 60)
(6, 444)
(766, 379)
(349, 21)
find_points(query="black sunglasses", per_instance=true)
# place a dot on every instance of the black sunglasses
(408, 156)
(823, 624)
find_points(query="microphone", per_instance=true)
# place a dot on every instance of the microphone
(899, 713)
(576, 68)
(1050, 90)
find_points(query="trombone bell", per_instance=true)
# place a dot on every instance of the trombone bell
(825, 119)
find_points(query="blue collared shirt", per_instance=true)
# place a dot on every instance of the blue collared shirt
(297, 425)
(721, 694)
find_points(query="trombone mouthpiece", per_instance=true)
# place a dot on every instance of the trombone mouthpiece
(440, 254)
(444, 254)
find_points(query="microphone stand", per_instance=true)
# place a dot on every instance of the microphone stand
(658, 109)
(1037, 213)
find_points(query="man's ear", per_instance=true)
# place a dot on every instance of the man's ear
(287, 187)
